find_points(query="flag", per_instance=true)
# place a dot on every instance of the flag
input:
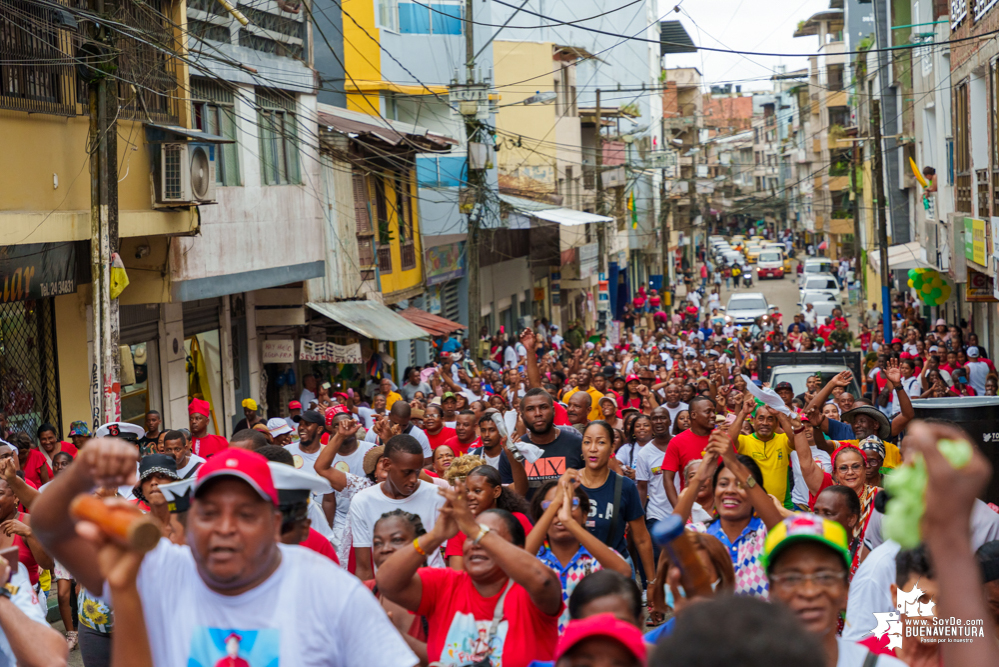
(631, 207)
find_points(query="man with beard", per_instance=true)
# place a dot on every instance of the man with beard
(583, 385)
(579, 411)
(305, 452)
(561, 448)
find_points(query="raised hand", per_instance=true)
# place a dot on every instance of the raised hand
(748, 403)
(13, 527)
(842, 379)
(529, 340)
(893, 372)
(347, 428)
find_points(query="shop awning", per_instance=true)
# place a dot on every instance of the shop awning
(908, 256)
(370, 319)
(569, 217)
(432, 324)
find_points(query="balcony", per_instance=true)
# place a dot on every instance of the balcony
(837, 99)
(820, 223)
(838, 183)
(840, 225)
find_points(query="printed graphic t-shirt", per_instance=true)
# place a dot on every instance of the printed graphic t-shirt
(565, 451)
(309, 613)
(459, 620)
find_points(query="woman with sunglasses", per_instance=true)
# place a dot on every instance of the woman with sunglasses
(560, 540)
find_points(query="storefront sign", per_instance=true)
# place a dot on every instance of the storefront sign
(974, 240)
(338, 354)
(979, 287)
(280, 351)
(555, 285)
(588, 260)
(37, 270)
(444, 262)
(539, 293)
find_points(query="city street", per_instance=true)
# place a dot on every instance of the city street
(783, 293)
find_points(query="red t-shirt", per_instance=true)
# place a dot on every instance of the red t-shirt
(24, 554)
(459, 619)
(208, 445)
(827, 481)
(32, 467)
(683, 449)
(319, 544)
(460, 449)
(456, 544)
(441, 438)
(561, 416)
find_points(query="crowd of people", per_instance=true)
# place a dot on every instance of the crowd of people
(515, 513)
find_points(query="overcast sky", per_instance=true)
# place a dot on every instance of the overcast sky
(743, 25)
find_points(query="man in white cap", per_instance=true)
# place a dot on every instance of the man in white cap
(978, 369)
(280, 431)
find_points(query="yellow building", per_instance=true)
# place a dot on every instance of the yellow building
(45, 198)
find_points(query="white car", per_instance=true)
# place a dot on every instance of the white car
(745, 307)
(814, 266)
(820, 283)
(823, 311)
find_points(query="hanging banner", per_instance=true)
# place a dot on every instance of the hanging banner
(37, 270)
(279, 351)
(338, 354)
(444, 262)
(974, 240)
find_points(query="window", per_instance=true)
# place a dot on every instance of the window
(29, 36)
(962, 150)
(388, 15)
(404, 215)
(994, 116)
(365, 234)
(835, 75)
(443, 17)
(214, 113)
(278, 138)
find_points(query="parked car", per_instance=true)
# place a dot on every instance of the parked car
(753, 252)
(820, 282)
(745, 307)
(815, 265)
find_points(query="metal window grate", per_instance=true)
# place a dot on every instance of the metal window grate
(29, 377)
(172, 168)
(36, 61)
(385, 259)
(257, 43)
(982, 181)
(274, 23)
(206, 30)
(408, 256)
(148, 90)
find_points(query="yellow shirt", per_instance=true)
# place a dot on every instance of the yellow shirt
(391, 398)
(774, 459)
(595, 411)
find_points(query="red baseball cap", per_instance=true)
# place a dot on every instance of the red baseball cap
(243, 464)
(633, 377)
(294, 405)
(602, 625)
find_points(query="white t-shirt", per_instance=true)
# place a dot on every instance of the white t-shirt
(309, 613)
(984, 527)
(307, 398)
(367, 416)
(369, 505)
(870, 591)
(852, 654)
(318, 518)
(306, 463)
(799, 494)
(416, 432)
(977, 372)
(191, 462)
(647, 469)
(673, 412)
(352, 463)
(510, 357)
(25, 600)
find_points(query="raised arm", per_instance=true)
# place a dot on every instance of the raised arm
(763, 504)
(397, 579)
(705, 472)
(530, 342)
(345, 428)
(820, 398)
(24, 493)
(810, 471)
(103, 462)
(33, 642)
(894, 374)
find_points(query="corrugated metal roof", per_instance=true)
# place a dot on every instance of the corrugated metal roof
(389, 131)
(370, 319)
(522, 204)
(570, 217)
(673, 38)
(433, 324)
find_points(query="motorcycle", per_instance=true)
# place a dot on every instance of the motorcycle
(747, 278)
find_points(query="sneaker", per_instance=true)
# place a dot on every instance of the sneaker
(72, 640)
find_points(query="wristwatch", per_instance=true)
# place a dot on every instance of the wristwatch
(5, 592)
(750, 482)
(483, 531)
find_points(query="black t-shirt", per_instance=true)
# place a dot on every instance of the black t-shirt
(562, 453)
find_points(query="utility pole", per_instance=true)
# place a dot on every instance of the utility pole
(692, 189)
(882, 221)
(105, 387)
(601, 226)
(475, 185)
(854, 177)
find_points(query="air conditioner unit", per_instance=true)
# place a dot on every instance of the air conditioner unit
(187, 173)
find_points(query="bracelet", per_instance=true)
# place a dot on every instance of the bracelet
(483, 531)
(416, 545)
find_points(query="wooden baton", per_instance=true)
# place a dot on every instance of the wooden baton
(125, 524)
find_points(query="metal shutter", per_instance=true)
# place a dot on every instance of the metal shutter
(449, 301)
(200, 316)
(139, 324)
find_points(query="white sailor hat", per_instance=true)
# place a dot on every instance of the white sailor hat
(123, 430)
(293, 485)
(178, 494)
